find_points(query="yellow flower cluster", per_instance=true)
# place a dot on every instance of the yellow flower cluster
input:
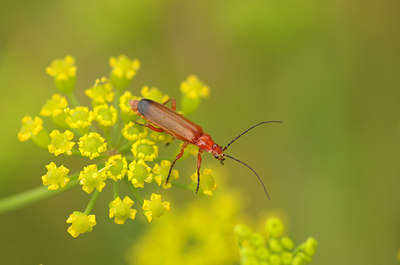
(62, 69)
(56, 177)
(277, 249)
(193, 90)
(121, 210)
(198, 233)
(80, 223)
(101, 92)
(107, 136)
(30, 127)
(64, 73)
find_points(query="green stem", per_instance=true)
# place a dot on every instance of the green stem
(93, 128)
(31, 196)
(119, 135)
(75, 152)
(116, 128)
(77, 132)
(108, 136)
(72, 177)
(116, 100)
(73, 99)
(116, 192)
(181, 186)
(125, 148)
(129, 157)
(136, 194)
(297, 249)
(92, 202)
(186, 187)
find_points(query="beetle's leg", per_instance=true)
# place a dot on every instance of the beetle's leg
(140, 124)
(176, 158)
(173, 102)
(148, 125)
(198, 169)
(151, 127)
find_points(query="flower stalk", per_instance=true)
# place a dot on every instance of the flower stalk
(30, 197)
(92, 202)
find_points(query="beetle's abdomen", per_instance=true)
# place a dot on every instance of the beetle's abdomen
(169, 120)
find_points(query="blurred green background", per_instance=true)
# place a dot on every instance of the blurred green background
(328, 69)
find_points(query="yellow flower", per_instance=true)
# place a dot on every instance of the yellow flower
(54, 106)
(154, 94)
(161, 174)
(90, 178)
(62, 69)
(80, 223)
(105, 115)
(274, 227)
(117, 167)
(287, 243)
(274, 245)
(155, 207)
(207, 181)
(101, 92)
(139, 172)
(79, 117)
(123, 71)
(29, 127)
(192, 149)
(194, 88)
(64, 73)
(122, 66)
(91, 145)
(121, 210)
(60, 142)
(161, 137)
(309, 246)
(55, 177)
(132, 132)
(145, 149)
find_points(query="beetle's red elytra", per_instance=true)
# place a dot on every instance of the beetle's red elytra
(160, 118)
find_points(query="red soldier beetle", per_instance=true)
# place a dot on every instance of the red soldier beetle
(160, 118)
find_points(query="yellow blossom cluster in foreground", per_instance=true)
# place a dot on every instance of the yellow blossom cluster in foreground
(105, 134)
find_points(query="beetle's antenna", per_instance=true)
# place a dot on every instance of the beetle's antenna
(262, 183)
(252, 127)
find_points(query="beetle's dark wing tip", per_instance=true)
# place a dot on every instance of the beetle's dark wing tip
(143, 106)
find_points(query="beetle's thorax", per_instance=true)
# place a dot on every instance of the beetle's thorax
(204, 142)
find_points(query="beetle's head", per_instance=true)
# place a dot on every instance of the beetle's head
(205, 143)
(218, 153)
(134, 104)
